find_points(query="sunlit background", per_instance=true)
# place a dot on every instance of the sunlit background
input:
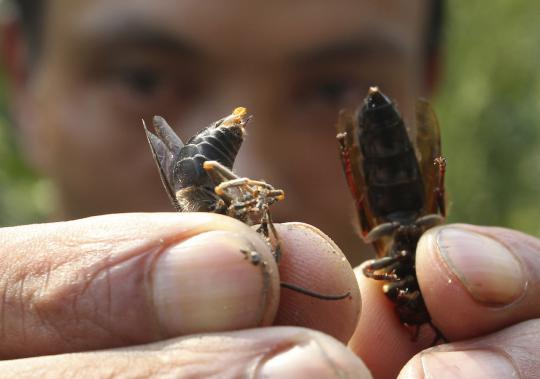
(488, 106)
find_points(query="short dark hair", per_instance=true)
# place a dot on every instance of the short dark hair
(31, 14)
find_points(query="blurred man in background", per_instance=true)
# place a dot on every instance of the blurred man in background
(84, 79)
(83, 73)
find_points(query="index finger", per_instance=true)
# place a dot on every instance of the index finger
(313, 261)
(380, 339)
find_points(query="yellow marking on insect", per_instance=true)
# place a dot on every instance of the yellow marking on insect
(238, 116)
(240, 111)
(219, 191)
(207, 165)
(281, 197)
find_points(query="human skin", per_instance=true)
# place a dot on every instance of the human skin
(134, 279)
(172, 294)
(481, 286)
(105, 64)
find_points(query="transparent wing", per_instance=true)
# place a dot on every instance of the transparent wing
(162, 144)
(428, 145)
(351, 160)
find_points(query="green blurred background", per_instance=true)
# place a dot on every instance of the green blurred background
(488, 107)
(24, 197)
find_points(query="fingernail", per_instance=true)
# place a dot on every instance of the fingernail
(312, 230)
(207, 283)
(317, 358)
(478, 364)
(489, 271)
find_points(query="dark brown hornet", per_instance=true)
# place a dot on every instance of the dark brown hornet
(198, 177)
(398, 191)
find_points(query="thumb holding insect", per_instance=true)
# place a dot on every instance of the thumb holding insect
(116, 281)
(481, 285)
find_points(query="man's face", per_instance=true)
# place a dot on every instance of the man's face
(106, 64)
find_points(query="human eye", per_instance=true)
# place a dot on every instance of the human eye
(141, 81)
(335, 91)
(153, 87)
(329, 92)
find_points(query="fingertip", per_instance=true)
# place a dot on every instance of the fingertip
(485, 266)
(475, 279)
(315, 355)
(214, 281)
(204, 272)
(506, 353)
(469, 363)
(134, 278)
(379, 332)
(313, 261)
(277, 352)
(412, 370)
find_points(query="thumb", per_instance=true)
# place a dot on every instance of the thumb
(477, 280)
(133, 278)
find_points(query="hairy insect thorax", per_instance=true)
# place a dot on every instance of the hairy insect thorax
(406, 238)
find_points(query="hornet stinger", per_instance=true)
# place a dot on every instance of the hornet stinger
(398, 192)
(198, 177)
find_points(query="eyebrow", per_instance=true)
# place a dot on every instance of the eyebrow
(351, 49)
(133, 33)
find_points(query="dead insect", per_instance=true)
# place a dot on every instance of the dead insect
(198, 177)
(398, 191)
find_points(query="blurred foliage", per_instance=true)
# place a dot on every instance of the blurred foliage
(24, 197)
(488, 107)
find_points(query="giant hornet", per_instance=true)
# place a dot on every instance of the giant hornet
(198, 177)
(398, 193)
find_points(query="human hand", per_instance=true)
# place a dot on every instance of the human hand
(481, 286)
(154, 282)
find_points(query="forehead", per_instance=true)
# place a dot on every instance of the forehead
(235, 26)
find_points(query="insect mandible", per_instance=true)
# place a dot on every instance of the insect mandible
(198, 177)
(398, 192)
